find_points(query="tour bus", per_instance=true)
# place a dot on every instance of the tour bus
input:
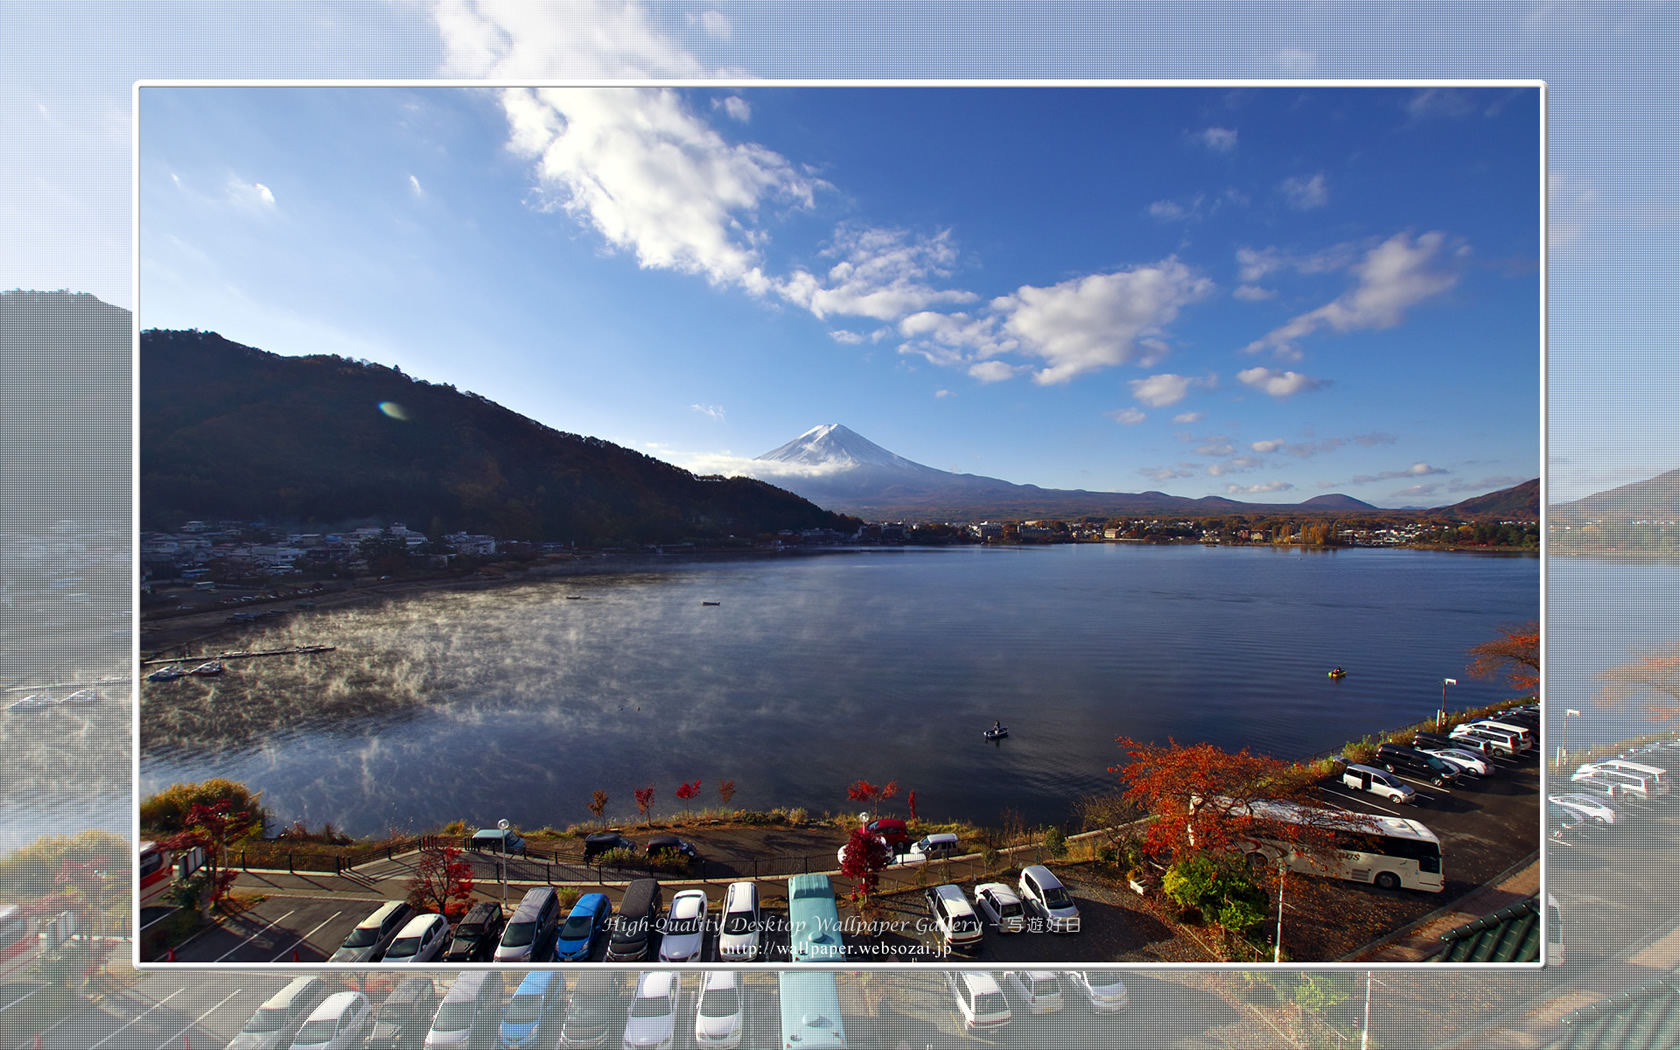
(160, 867)
(24, 935)
(810, 1010)
(1390, 852)
(813, 920)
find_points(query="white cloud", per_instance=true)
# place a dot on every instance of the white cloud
(882, 274)
(994, 371)
(1393, 277)
(1166, 473)
(1095, 322)
(414, 186)
(712, 412)
(1252, 293)
(1220, 140)
(249, 194)
(1159, 391)
(1267, 446)
(593, 39)
(941, 394)
(1218, 446)
(716, 25)
(1416, 470)
(840, 335)
(1187, 417)
(652, 178)
(1297, 60)
(1304, 194)
(1129, 416)
(1238, 465)
(1270, 486)
(1279, 384)
(738, 108)
(1439, 102)
(1167, 211)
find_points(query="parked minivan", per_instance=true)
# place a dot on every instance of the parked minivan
(402, 1019)
(1656, 773)
(1378, 782)
(472, 1005)
(368, 941)
(539, 996)
(529, 935)
(592, 1009)
(277, 1020)
(1636, 785)
(979, 999)
(1524, 735)
(1503, 743)
(633, 925)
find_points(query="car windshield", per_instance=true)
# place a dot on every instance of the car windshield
(454, 1017)
(1056, 897)
(1008, 908)
(577, 926)
(720, 1002)
(314, 1032)
(966, 924)
(524, 1009)
(403, 947)
(468, 932)
(679, 927)
(519, 934)
(989, 1003)
(648, 1006)
(363, 937)
(1102, 978)
(737, 923)
(266, 1020)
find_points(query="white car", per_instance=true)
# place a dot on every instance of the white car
(1589, 807)
(1038, 989)
(272, 1023)
(742, 929)
(1104, 991)
(652, 1024)
(336, 1024)
(1467, 760)
(718, 1016)
(421, 940)
(1000, 907)
(979, 999)
(1378, 782)
(1045, 895)
(684, 931)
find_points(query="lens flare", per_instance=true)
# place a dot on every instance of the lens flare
(394, 410)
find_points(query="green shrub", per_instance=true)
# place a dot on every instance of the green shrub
(165, 813)
(1221, 888)
(1055, 841)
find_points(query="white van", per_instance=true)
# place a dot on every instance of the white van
(1503, 742)
(979, 999)
(472, 1005)
(1038, 989)
(742, 927)
(1637, 785)
(1378, 782)
(1657, 773)
(1522, 734)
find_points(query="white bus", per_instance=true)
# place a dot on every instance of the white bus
(1390, 852)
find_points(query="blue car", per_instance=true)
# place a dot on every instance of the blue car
(540, 995)
(585, 923)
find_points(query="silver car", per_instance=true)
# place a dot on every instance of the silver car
(685, 927)
(652, 1024)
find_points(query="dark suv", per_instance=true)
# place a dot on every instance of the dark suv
(1397, 758)
(603, 841)
(672, 847)
(476, 934)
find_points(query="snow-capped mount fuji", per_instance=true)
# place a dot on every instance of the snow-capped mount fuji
(833, 447)
(841, 470)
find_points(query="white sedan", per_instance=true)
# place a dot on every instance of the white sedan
(718, 1013)
(685, 927)
(1462, 758)
(336, 1024)
(1589, 807)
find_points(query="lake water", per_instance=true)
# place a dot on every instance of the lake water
(815, 671)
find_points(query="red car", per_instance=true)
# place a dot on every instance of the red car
(890, 830)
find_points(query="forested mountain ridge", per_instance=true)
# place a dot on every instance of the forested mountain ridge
(231, 431)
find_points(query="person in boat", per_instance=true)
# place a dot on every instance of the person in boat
(997, 726)
(1337, 673)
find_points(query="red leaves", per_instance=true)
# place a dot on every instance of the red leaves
(1516, 653)
(688, 791)
(1162, 780)
(864, 791)
(442, 883)
(644, 799)
(861, 861)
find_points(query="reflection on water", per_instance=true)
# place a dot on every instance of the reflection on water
(810, 673)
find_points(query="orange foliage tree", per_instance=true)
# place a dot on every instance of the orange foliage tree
(1164, 780)
(1654, 678)
(1515, 653)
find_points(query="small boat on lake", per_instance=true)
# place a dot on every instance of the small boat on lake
(166, 674)
(711, 603)
(997, 732)
(81, 696)
(32, 702)
(207, 668)
(1337, 672)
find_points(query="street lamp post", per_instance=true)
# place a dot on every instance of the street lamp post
(1365, 1030)
(1441, 715)
(1277, 945)
(1563, 746)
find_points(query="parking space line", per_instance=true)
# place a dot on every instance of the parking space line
(253, 937)
(136, 1018)
(1350, 798)
(199, 1019)
(1424, 783)
(306, 936)
(21, 998)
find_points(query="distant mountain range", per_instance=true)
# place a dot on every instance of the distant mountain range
(1652, 501)
(835, 467)
(230, 431)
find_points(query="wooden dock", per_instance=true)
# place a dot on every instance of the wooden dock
(240, 654)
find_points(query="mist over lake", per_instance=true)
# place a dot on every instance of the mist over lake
(811, 672)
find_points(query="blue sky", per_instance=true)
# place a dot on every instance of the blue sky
(1614, 248)
(1262, 292)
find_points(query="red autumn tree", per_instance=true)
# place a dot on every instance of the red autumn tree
(726, 790)
(598, 804)
(861, 860)
(687, 792)
(442, 883)
(644, 801)
(864, 791)
(214, 827)
(910, 800)
(1515, 653)
(1653, 678)
(1164, 780)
